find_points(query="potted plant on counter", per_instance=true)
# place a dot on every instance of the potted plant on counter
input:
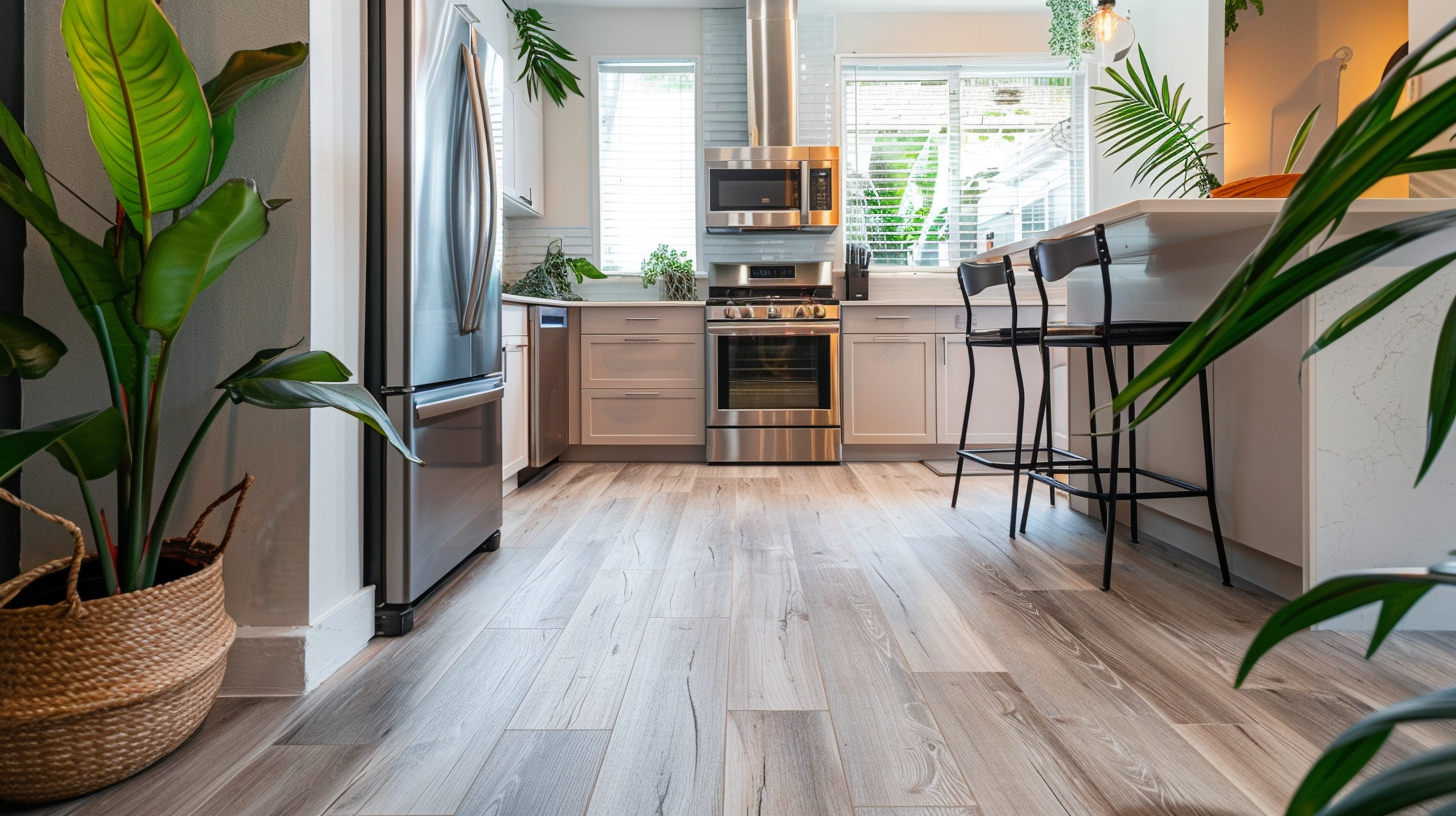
(674, 270)
(1373, 142)
(109, 661)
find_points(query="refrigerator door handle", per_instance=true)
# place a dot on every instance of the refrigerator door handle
(485, 155)
(428, 407)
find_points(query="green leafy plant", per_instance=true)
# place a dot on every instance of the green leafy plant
(163, 137)
(1067, 37)
(1146, 121)
(541, 57)
(551, 278)
(1373, 143)
(1231, 9)
(674, 269)
(1301, 136)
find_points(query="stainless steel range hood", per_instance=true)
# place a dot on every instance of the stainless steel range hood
(773, 53)
(772, 183)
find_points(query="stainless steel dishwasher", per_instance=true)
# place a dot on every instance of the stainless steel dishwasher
(550, 383)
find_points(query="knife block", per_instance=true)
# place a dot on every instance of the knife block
(856, 282)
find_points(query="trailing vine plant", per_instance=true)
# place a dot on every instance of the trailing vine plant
(541, 57)
(1231, 9)
(1068, 37)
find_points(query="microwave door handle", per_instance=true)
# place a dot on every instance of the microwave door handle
(469, 321)
(804, 195)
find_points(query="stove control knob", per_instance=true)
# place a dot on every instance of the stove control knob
(745, 311)
(773, 312)
(819, 311)
(729, 313)
(802, 311)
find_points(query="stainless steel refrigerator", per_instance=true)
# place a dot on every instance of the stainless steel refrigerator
(433, 297)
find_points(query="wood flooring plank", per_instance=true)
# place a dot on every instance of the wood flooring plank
(550, 521)
(1013, 758)
(892, 751)
(931, 631)
(642, 479)
(286, 780)
(1184, 689)
(550, 594)
(815, 534)
(917, 811)
(773, 664)
(427, 765)
(697, 582)
(666, 752)
(783, 763)
(582, 682)
(537, 773)
(373, 701)
(647, 535)
(1142, 766)
(1265, 764)
(1056, 671)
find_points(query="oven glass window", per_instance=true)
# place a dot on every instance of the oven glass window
(767, 373)
(737, 190)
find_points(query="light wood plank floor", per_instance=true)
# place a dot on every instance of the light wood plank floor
(797, 641)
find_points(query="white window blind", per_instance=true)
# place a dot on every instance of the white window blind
(938, 157)
(647, 159)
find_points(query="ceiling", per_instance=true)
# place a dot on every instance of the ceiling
(819, 6)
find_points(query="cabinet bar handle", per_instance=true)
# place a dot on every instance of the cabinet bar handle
(892, 317)
(895, 339)
(640, 318)
(644, 339)
(643, 394)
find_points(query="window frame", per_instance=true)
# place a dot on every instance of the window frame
(594, 169)
(1006, 64)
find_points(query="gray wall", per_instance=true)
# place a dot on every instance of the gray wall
(263, 301)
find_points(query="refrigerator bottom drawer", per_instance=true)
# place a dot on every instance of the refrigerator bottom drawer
(447, 509)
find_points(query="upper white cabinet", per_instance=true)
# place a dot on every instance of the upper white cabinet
(524, 186)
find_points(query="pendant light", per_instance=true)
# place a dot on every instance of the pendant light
(1112, 33)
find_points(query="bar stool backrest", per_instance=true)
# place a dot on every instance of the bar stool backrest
(975, 278)
(1056, 258)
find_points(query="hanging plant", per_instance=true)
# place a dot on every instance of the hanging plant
(541, 57)
(1068, 37)
(551, 278)
(1231, 9)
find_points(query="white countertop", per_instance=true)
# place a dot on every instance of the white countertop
(1140, 228)
(696, 304)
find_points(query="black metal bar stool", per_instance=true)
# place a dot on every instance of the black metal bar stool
(975, 278)
(1053, 260)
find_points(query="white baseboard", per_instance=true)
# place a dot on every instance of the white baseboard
(286, 661)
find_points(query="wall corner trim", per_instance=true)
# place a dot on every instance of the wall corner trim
(288, 661)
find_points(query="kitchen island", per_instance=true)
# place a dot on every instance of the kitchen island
(1314, 477)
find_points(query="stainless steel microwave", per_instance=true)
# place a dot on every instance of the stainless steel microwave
(772, 188)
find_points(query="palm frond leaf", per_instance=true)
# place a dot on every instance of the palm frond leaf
(1146, 120)
(541, 57)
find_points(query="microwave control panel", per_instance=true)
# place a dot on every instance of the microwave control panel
(821, 188)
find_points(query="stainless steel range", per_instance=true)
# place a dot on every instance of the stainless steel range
(773, 363)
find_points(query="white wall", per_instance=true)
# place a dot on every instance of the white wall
(1426, 18)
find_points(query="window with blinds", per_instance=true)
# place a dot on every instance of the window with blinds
(646, 159)
(937, 158)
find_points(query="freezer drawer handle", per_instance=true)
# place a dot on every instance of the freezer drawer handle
(450, 405)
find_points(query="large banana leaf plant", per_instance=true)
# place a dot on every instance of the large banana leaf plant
(164, 137)
(1373, 143)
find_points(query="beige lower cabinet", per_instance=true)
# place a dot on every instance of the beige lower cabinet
(642, 361)
(889, 389)
(993, 411)
(642, 416)
(515, 407)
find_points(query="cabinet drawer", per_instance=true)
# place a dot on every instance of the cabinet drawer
(513, 320)
(888, 319)
(642, 361)
(643, 319)
(626, 416)
(950, 319)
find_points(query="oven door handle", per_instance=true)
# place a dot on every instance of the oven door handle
(773, 329)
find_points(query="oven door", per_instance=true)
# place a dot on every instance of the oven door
(755, 195)
(773, 375)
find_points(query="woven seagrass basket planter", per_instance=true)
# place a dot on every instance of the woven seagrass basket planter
(93, 691)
